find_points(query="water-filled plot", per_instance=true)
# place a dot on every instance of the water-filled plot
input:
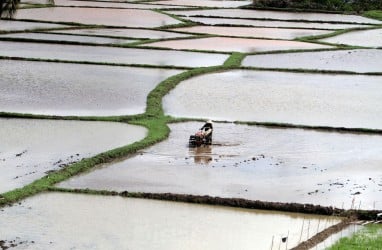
(278, 15)
(32, 148)
(98, 16)
(228, 44)
(367, 38)
(66, 38)
(55, 221)
(285, 165)
(122, 33)
(271, 23)
(352, 101)
(72, 89)
(206, 3)
(99, 54)
(8, 25)
(274, 33)
(112, 4)
(341, 60)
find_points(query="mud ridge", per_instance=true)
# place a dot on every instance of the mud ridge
(239, 202)
(323, 235)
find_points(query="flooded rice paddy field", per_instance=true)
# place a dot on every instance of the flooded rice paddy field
(32, 148)
(274, 33)
(72, 89)
(274, 24)
(126, 33)
(113, 4)
(66, 38)
(277, 15)
(98, 16)
(332, 100)
(206, 3)
(227, 44)
(125, 223)
(359, 60)
(8, 25)
(357, 38)
(285, 165)
(82, 53)
(256, 163)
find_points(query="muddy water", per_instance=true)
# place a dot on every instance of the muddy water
(67, 38)
(235, 44)
(31, 148)
(6, 25)
(309, 99)
(286, 165)
(262, 23)
(357, 38)
(55, 221)
(99, 54)
(71, 89)
(98, 16)
(278, 15)
(130, 33)
(253, 32)
(347, 60)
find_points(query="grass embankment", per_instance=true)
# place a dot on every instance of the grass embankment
(369, 237)
(376, 14)
(153, 119)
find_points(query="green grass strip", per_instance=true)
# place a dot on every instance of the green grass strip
(375, 14)
(369, 237)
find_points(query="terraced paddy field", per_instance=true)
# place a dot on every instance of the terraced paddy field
(98, 100)
(31, 149)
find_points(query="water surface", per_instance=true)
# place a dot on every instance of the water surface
(130, 33)
(274, 33)
(357, 38)
(360, 60)
(47, 222)
(286, 165)
(271, 23)
(98, 54)
(309, 99)
(71, 89)
(227, 44)
(7, 25)
(278, 15)
(32, 148)
(206, 3)
(98, 16)
(66, 38)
